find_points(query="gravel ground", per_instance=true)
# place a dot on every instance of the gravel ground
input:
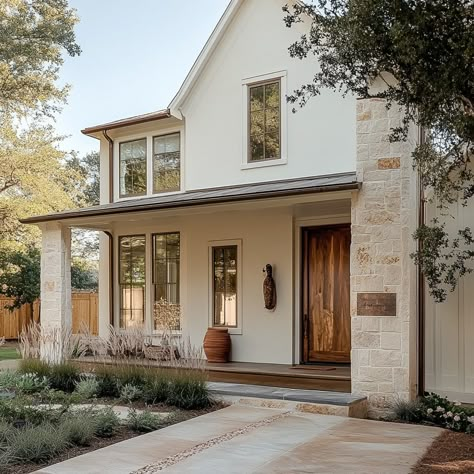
(450, 452)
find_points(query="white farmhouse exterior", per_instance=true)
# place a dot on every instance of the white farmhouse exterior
(197, 198)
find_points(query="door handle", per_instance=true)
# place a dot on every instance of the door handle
(305, 326)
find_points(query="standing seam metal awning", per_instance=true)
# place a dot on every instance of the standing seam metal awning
(266, 190)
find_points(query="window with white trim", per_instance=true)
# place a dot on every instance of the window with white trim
(264, 121)
(225, 285)
(132, 263)
(132, 168)
(166, 163)
(166, 281)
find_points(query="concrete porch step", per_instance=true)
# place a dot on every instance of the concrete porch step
(310, 401)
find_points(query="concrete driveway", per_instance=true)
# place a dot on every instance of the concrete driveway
(245, 439)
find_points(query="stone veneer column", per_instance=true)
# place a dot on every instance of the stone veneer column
(384, 216)
(56, 314)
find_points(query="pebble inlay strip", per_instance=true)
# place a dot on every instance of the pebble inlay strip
(171, 460)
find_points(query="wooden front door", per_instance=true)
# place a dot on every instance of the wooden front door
(326, 294)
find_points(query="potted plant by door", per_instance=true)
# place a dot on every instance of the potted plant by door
(217, 345)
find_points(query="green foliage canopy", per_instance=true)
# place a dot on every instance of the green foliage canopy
(428, 48)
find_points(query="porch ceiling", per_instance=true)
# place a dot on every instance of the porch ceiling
(223, 195)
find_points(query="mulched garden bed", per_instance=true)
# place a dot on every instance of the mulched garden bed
(450, 452)
(121, 435)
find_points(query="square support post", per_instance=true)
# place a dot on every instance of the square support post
(56, 303)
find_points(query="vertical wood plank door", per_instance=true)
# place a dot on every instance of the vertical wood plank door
(326, 305)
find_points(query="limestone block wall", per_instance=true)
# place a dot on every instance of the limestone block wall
(56, 314)
(384, 216)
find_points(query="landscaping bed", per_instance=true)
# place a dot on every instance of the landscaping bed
(49, 413)
(450, 452)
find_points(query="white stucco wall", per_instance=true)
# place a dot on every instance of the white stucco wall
(267, 237)
(320, 137)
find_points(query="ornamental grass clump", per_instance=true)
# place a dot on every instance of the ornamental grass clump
(157, 390)
(188, 390)
(79, 429)
(34, 366)
(64, 376)
(36, 444)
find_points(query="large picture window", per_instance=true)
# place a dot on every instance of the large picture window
(166, 257)
(224, 272)
(132, 280)
(166, 163)
(264, 121)
(133, 181)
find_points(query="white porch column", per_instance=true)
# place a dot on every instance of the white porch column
(56, 314)
(384, 216)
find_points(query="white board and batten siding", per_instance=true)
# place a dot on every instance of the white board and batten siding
(449, 328)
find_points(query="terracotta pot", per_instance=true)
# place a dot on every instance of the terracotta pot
(217, 345)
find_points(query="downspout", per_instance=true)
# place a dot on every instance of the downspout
(421, 284)
(109, 235)
(111, 277)
(111, 166)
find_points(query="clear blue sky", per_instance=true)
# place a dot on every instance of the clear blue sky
(135, 54)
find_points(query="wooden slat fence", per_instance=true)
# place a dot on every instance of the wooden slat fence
(84, 313)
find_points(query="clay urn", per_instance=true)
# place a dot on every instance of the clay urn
(217, 345)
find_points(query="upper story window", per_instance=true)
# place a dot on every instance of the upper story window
(264, 135)
(133, 179)
(166, 163)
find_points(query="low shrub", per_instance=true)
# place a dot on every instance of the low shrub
(20, 411)
(106, 422)
(188, 390)
(437, 410)
(143, 422)
(87, 387)
(78, 429)
(8, 379)
(129, 393)
(36, 444)
(31, 383)
(64, 376)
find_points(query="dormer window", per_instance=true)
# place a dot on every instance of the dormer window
(166, 163)
(149, 165)
(264, 121)
(133, 180)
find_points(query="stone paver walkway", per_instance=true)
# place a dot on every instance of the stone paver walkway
(244, 439)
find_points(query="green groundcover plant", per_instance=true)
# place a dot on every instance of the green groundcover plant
(436, 410)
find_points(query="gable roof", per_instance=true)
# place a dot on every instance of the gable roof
(204, 56)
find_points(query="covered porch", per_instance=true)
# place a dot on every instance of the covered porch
(263, 222)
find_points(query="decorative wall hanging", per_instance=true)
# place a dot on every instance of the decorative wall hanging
(269, 288)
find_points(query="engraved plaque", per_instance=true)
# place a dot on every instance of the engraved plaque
(376, 304)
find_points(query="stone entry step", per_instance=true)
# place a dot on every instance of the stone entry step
(311, 401)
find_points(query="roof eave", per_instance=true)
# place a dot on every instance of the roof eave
(95, 212)
(127, 122)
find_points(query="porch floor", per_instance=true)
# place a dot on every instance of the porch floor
(314, 377)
